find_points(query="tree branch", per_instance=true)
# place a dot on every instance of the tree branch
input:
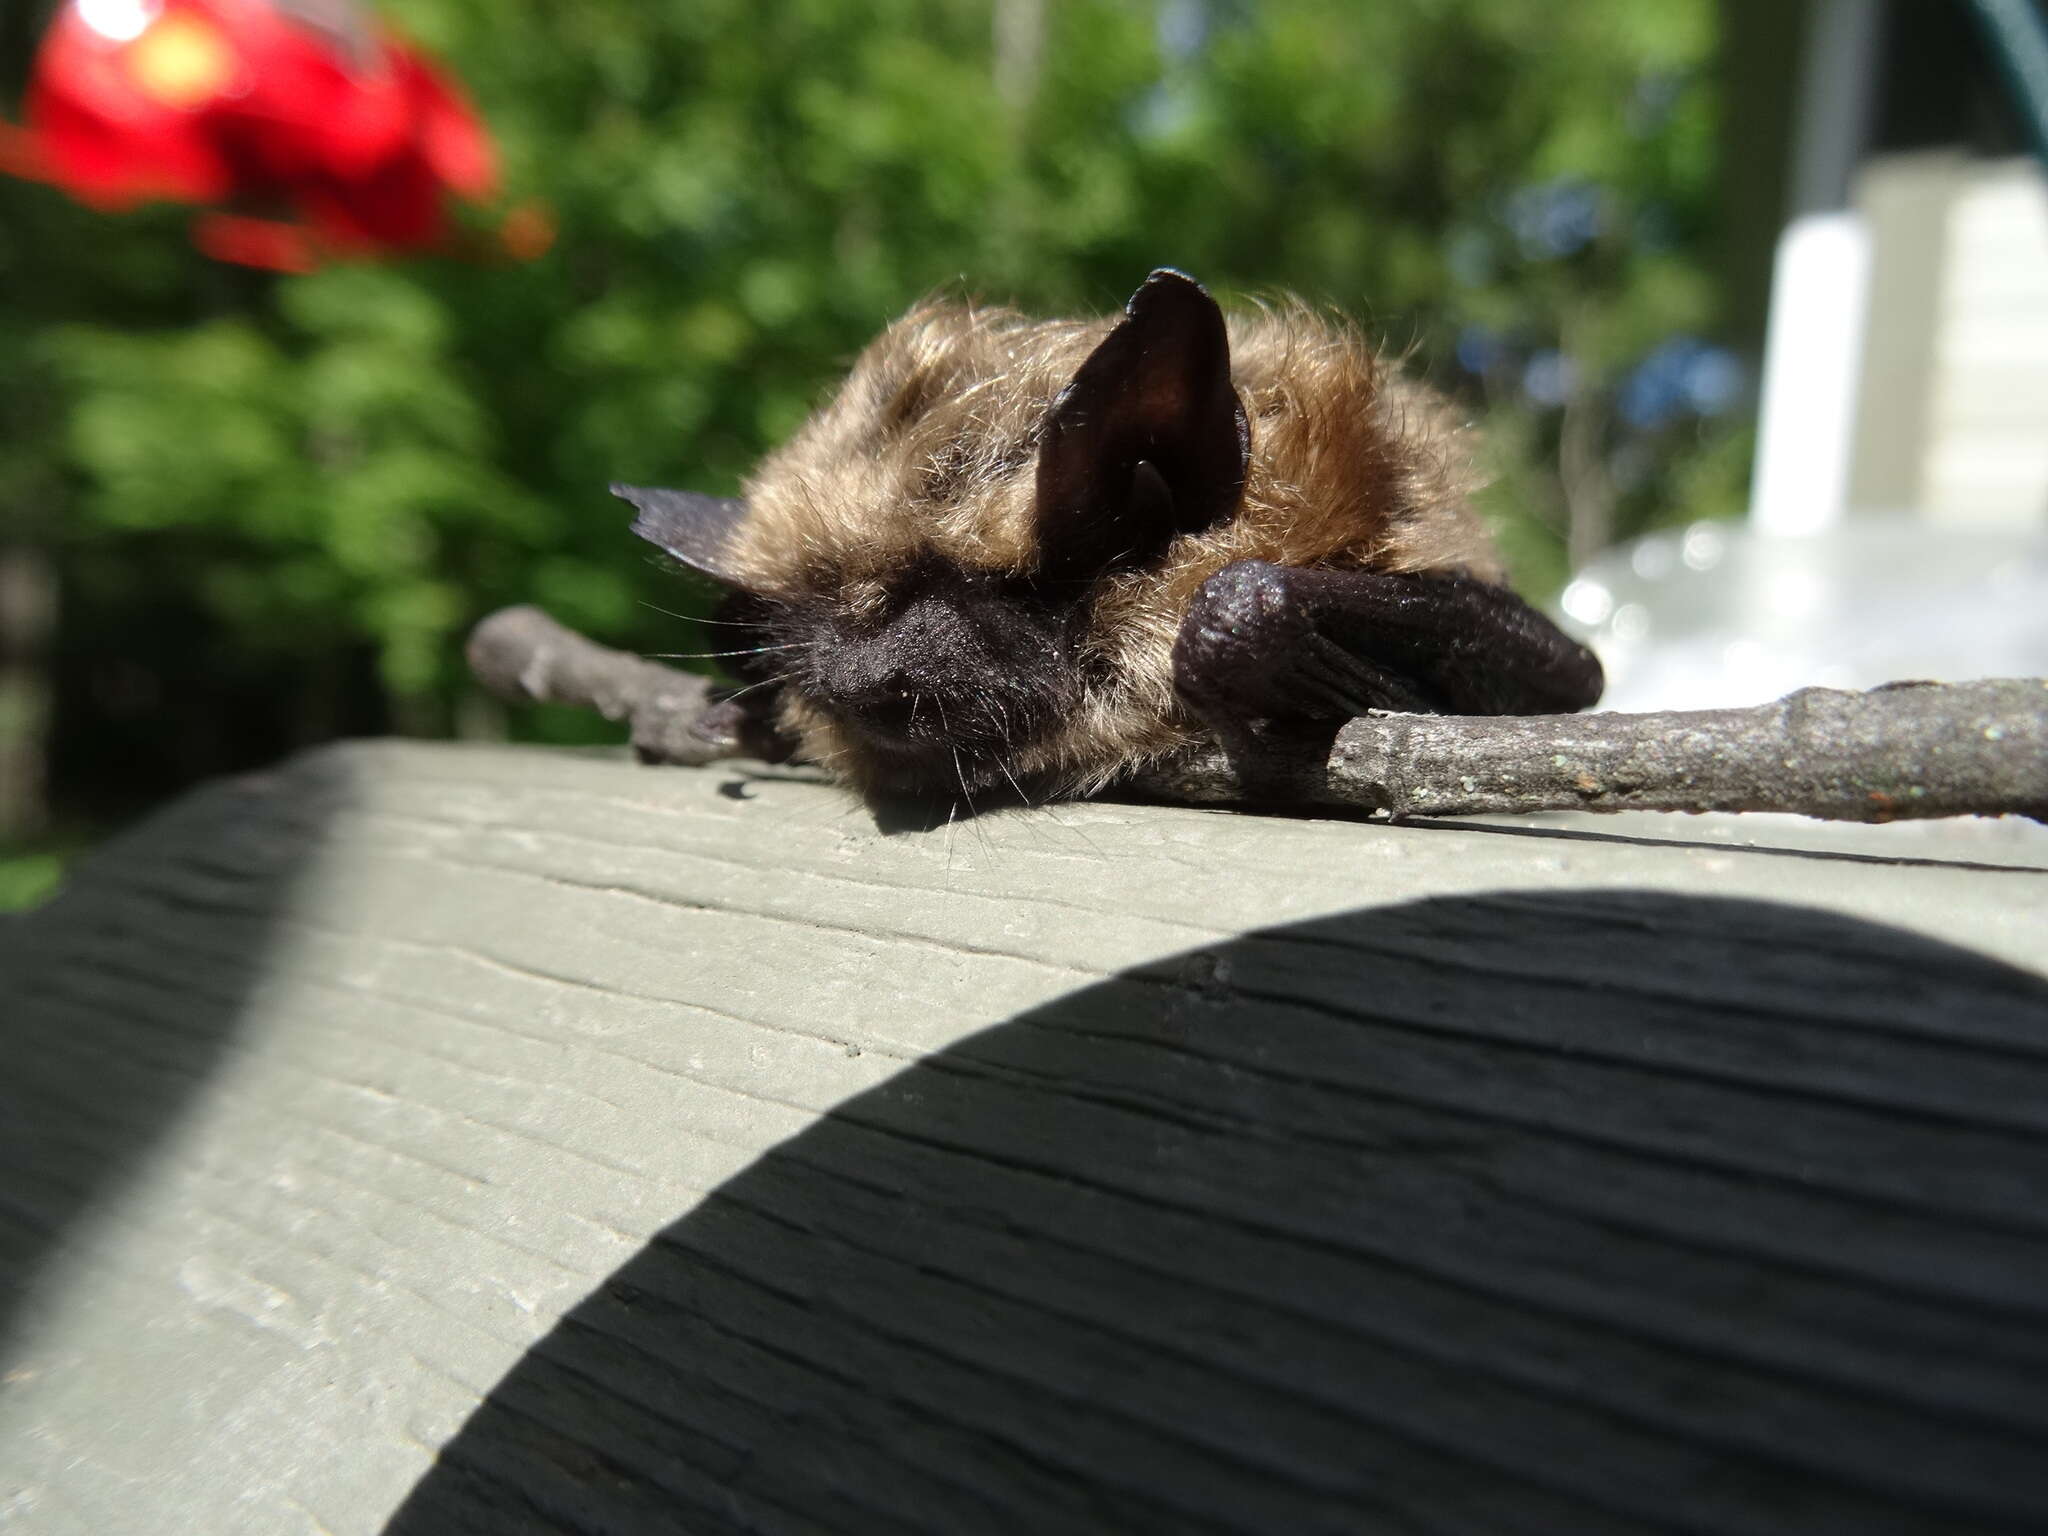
(1906, 750)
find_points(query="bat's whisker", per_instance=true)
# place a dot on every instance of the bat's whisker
(759, 650)
(741, 693)
(1021, 796)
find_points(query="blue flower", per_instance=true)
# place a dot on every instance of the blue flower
(1479, 350)
(1683, 375)
(1556, 218)
(1714, 381)
(1549, 378)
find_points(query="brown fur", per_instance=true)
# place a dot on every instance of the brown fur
(929, 448)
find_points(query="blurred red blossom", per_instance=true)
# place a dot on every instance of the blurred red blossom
(297, 107)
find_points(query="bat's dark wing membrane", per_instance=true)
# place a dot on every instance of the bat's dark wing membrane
(1272, 642)
(696, 529)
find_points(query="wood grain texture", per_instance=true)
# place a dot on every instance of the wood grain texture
(427, 1139)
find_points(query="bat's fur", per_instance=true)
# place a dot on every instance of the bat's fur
(925, 458)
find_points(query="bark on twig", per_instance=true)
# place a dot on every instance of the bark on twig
(524, 656)
(1906, 750)
(1903, 751)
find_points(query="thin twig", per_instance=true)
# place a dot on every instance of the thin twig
(524, 656)
(1904, 751)
(1907, 750)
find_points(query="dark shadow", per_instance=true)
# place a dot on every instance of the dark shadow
(1566, 1212)
(895, 815)
(119, 997)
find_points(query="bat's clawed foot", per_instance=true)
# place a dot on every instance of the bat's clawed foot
(1255, 665)
(1258, 644)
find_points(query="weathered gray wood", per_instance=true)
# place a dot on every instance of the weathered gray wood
(678, 1150)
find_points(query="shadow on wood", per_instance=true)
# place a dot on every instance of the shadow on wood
(122, 996)
(1565, 1211)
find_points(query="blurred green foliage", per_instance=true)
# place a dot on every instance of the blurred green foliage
(275, 504)
(27, 878)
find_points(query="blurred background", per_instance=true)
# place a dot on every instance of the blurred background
(258, 476)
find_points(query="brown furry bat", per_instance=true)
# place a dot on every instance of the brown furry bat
(1042, 552)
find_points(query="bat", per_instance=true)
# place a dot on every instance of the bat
(1044, 552)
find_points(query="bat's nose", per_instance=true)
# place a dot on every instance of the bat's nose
(891, 708)
(908, 679)
(882, 693)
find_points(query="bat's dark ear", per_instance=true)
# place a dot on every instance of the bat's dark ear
(1147, 441)
(695, 529)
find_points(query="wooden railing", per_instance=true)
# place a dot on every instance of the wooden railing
(428, 1139)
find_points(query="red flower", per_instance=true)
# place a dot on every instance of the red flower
(288, 105)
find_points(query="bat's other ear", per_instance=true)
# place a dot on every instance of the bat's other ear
(695, 529)
(1147, 441)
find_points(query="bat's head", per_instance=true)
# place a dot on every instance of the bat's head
(929, 562)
